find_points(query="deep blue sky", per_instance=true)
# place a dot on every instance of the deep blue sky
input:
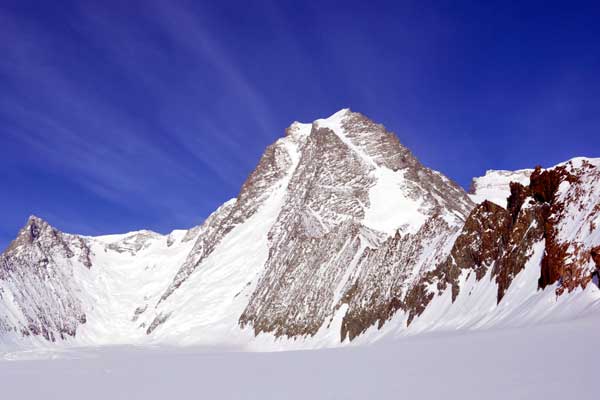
(118, 115)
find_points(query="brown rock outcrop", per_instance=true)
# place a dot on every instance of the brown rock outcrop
(595, 254)
(502, 240)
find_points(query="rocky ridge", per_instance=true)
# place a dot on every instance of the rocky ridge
(558, 208)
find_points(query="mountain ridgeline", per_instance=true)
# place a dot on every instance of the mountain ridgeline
(339, 235)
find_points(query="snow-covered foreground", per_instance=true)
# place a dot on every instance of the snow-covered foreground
(552, 361)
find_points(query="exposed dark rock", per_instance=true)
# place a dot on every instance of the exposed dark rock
(526, 231)
(159, 320)
(544, 185)
(503, 239)
(386, 274)
(478, 247)
(138, 311)
(518, 194)
(595, 254)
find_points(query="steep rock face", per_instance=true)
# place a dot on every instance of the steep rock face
(37, 293)
(559, 207)
(595, 253)
(573, 226)
(480, 244)
(526, 230)
(315, 237)
(329, 250)
(378, 285)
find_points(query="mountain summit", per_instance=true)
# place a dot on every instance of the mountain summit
(339, 234)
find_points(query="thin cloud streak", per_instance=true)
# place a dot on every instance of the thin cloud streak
(92, 141)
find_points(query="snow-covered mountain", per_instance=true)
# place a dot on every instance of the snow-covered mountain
(494, 186)
(339, 235)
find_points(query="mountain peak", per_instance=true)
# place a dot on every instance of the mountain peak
(337, 116)
(34, 219)
(370, 141)
(30, 232)
(299, 129)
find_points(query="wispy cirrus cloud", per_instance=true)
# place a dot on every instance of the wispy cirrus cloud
(103, 141)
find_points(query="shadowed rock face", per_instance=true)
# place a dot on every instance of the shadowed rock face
(383, 275)
(479, 245)
(543, 188)
(595, 253)
(572, 228)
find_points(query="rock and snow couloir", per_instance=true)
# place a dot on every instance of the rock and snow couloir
(339, 234)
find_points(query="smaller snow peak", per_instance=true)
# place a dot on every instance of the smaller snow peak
(578, 162)
(336, 116)
(340, 114)
(501, 173)
(495, 185)
(298, 129)
(334, 121)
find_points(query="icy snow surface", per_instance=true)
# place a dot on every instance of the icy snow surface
(551, 361)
